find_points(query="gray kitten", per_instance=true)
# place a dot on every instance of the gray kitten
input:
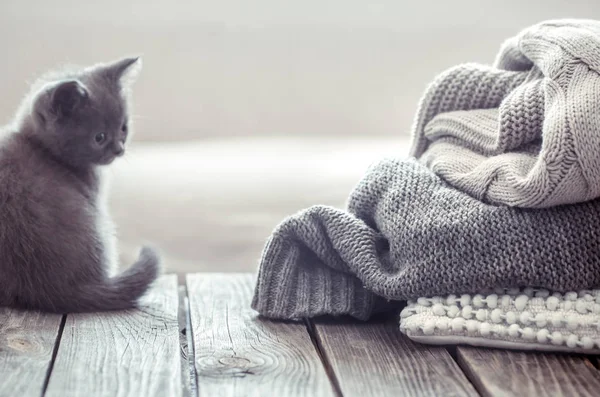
(56, 239)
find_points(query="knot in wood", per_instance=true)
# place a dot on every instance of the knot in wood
(226, 366)
(22, 343)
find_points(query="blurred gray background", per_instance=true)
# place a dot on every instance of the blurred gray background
(248, 111)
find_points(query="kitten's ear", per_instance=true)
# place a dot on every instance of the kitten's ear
(66, 97)
(125, 69)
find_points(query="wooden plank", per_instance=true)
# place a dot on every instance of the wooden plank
(239, 354)
(510, 373)
(27, 342)
(127, 353)
(375, 359)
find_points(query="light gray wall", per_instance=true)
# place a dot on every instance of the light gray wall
(262, 67)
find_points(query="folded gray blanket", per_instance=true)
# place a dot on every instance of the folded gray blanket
(525, 131)
(408, 234)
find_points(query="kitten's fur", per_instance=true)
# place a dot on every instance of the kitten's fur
(56, 240)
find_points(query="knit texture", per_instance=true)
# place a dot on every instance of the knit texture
(525, 319)
(408, 234)
(523, 132)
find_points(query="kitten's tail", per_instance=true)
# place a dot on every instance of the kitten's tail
(122, 291)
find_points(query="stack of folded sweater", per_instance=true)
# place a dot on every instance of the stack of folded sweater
(488, 229)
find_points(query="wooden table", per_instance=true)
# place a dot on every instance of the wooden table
(202, 339)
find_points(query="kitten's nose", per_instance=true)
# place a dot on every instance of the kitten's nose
(119, 148)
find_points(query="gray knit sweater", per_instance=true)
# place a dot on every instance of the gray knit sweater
(525, 137)
(408, 234)
(525, 131)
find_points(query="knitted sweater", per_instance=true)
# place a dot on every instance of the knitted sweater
(525, 131)
(408, 234)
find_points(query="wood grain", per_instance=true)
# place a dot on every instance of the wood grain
(127, 353)
(27, 342)
(375, 359)
(510, 373)
(239, 354)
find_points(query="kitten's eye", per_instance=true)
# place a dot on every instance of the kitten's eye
(124, 127)
(99, 138)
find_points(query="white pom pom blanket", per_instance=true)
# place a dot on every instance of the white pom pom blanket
(525, 319)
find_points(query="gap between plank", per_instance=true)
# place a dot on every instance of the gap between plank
(187, 344)
(183, 340)
(54, 353)
(452, 350)
(314, 337)
(467, 371)
(593, 361)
